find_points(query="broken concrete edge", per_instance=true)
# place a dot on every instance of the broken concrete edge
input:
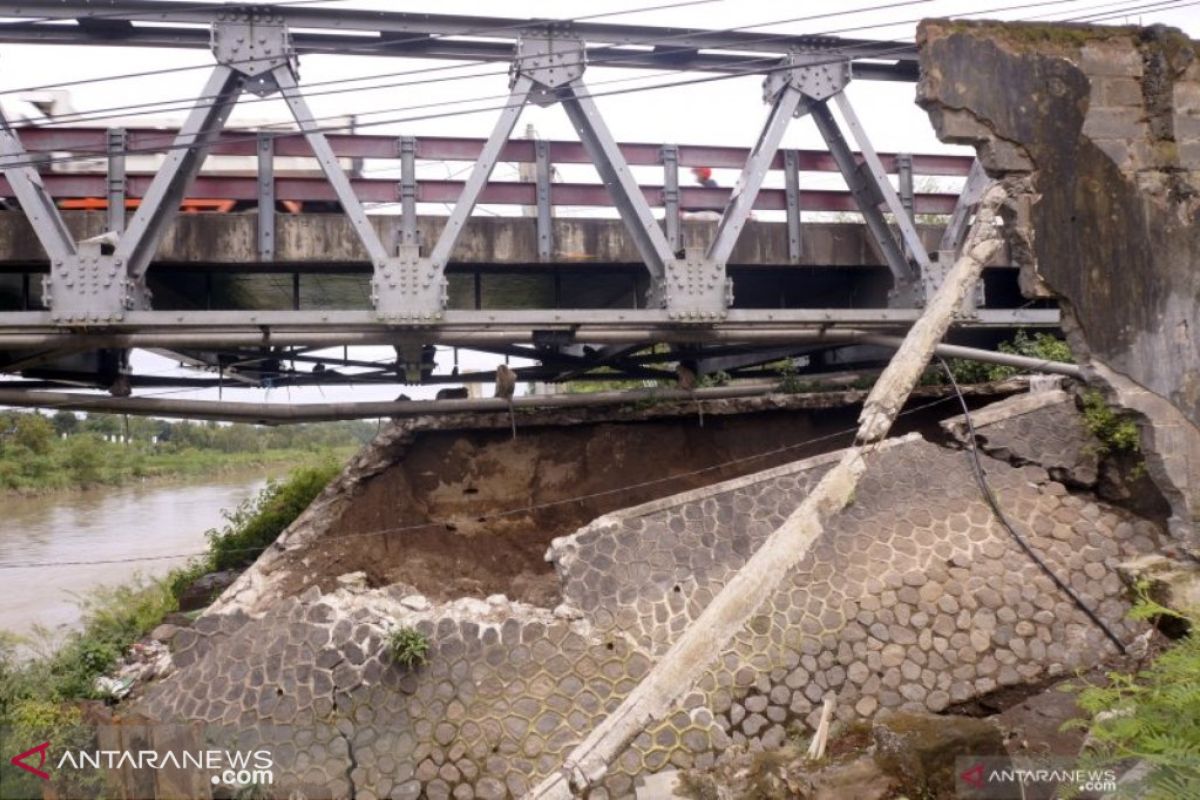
(1008, 408)
(1170, 447)
(1101, 122)
(253, 591)
(1171, 583)
(562, 549)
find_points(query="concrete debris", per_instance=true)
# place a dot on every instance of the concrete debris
(919, 749)
(353, 581)
(1171, 583)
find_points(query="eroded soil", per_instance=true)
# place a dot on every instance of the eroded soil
(472, 512)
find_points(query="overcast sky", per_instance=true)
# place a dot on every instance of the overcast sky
(727, 112)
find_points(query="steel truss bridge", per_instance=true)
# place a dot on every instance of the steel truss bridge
(254, 296)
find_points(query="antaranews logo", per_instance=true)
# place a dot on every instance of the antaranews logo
(22, 760)
(229, 767)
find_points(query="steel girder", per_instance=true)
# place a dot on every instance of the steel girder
(458, 37)
(690, 294)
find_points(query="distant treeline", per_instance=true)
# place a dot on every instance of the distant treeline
(43, 452)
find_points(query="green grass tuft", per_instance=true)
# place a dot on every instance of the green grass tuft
(408, 647)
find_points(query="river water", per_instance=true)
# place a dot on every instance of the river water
(111, 524)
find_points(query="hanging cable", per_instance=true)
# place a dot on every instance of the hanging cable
(772, 67)
(524, 509)
(990, 497)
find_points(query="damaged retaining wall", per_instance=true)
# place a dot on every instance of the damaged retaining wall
(915, 597)
(1104, 122)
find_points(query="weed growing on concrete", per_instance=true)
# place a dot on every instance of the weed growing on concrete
(1116, 432)
(789, 380)
(408, 647)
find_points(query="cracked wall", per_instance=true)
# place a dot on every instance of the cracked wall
(1104, 125)
(913, 598)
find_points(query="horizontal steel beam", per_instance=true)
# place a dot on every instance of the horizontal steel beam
(199, 329)
(455, 319)
(368, 190)
(434, 35)
(84, 140)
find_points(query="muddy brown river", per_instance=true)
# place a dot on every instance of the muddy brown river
(154, 523)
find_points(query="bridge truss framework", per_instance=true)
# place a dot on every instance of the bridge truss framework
(95, 290)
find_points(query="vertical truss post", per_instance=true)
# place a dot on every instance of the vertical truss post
(955, 234)
(791, 185)
(545, 230)
(266, 197)
(972, 192)
(670, 162)
(116, 142)
(904, 182)
(904, 175)
(408, 191)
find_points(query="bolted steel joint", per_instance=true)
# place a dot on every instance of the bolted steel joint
(253, 41)
(408, 289)
(695, 289)
(818, 75)
(90, 288)
(550, 57)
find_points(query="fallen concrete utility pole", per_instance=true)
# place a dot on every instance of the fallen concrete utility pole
(700, 644)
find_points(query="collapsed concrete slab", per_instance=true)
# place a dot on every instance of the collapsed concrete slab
(914, 598)
(1104, 123)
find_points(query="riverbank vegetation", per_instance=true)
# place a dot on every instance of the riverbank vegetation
(39, 453)
(42, 696)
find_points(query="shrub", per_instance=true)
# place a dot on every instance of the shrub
(1152, 716)
(1116, 432)
(1040, 345)
(84, 459)
(408, 647)
(258, 521)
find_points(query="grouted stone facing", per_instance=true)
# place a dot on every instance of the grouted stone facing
(913, 598)
(1039, 427)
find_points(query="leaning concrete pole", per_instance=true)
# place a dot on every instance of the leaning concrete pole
(679, 669)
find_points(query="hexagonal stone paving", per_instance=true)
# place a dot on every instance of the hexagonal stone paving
(914, 597)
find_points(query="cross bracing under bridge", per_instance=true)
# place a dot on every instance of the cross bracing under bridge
(571, 294)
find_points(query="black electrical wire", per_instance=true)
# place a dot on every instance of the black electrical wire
(706, 79)
(596, 60)
(525, 509)
(384, 43)
(990, 496)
